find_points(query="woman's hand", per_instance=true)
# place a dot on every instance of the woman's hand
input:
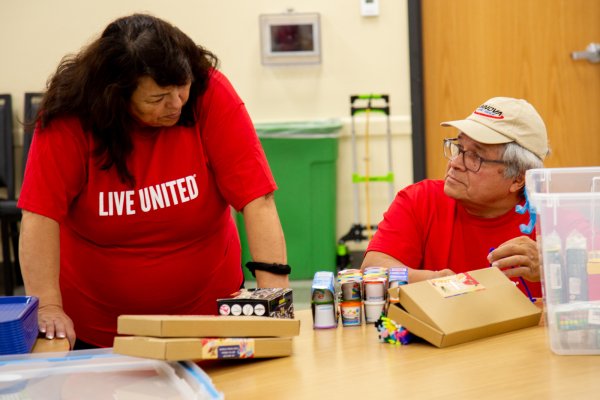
(54, 323)
(39, 253)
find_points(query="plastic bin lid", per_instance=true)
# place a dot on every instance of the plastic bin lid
(299, 127)
(100, 374)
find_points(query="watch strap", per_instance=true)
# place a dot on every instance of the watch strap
(279, 269)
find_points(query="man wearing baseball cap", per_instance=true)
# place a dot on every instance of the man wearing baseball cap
(468, 221)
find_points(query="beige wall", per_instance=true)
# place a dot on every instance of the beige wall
(360, 55)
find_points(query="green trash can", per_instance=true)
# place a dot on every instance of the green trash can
(303, 159)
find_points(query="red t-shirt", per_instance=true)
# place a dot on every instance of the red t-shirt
(426, 229)
(169, 245)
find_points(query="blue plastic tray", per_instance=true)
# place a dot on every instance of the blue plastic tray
(18, 324)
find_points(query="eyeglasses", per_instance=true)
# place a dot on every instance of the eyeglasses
(471, 160)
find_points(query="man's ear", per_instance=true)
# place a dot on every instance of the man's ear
(518, 183)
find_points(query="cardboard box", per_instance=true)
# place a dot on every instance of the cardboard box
(180, 349)
(490, 304)
(269, 302)
(205, 326)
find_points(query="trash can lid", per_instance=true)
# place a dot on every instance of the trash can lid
(299, 127)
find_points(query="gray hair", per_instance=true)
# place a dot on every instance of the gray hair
(518, 160)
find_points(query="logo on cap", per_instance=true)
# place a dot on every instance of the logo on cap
(488, 111)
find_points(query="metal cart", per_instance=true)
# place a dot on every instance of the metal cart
(359, 231)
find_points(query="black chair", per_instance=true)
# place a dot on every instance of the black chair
(7, 175)
(10, 215)
(32, 105)
(7, 182)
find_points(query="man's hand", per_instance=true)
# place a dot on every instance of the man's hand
(517, 257)
(378, 259)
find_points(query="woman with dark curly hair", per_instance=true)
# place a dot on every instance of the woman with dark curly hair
(141, 149)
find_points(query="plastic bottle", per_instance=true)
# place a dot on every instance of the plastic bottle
(555, 273)
(576, 263)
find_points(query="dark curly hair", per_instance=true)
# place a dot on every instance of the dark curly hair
(96, 84)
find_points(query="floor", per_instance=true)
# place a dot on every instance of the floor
(301, 292)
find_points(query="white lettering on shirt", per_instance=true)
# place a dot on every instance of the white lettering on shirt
(117, 203)
(151, 198)
(102, 211)
(171, 185)
(192, 186)
(182, 190)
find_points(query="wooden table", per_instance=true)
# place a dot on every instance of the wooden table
(351, 363)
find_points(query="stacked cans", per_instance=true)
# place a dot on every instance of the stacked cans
(364, 295)
(396, 277)
(350, 294)
(375, 282)
(358, 295)
(18, 324)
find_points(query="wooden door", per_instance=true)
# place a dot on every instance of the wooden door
(475, 49)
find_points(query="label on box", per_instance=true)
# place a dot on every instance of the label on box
(555, 273)
(227, 348)
(455, 285)
(594, 316)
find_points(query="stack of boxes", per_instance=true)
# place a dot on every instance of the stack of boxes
(253, 323)
(179, 337)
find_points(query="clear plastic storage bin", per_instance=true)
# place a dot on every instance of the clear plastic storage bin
(567, 204)
(100, 374)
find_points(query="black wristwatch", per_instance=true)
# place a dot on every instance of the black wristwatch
(279, 269)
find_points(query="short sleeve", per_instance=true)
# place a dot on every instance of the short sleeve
(400, 233)
(232, 147)
(56, 169)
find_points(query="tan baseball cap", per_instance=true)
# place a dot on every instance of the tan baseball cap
(505, 120)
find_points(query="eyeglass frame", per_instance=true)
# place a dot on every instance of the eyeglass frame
(448, 142)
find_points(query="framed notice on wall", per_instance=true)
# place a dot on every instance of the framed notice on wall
(290, 38)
